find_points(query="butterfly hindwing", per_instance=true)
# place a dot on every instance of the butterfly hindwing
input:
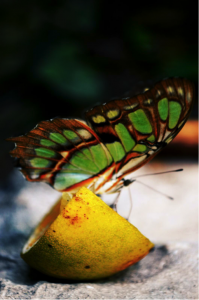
(64, 153)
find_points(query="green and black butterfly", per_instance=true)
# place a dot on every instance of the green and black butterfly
(118, 138)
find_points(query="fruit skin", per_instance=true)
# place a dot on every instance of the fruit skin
(87, 240)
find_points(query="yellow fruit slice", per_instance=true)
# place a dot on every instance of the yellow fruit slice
(86, 240)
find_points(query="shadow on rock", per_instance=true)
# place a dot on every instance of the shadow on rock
(16, 270)
(154, 263)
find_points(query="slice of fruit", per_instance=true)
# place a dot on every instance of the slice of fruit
(86, 240)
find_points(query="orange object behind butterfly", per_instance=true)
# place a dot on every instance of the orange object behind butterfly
(189, 134)
(184, 145)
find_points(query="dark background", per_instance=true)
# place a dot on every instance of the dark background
(59, 58)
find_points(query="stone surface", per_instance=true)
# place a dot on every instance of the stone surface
(170, 271)
(167, 272)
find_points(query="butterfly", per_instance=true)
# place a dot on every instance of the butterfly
(117, 138)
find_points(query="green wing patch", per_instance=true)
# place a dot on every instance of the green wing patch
(163, 108)
(174, 113)
(140, 121)
(62, 153)
(116, 150)
(125, 137)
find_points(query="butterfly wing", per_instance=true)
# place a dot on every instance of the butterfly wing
(125, 134)
(64, 153)
(135, 129)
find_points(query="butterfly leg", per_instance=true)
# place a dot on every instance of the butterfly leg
(114, 205)
(131, 204)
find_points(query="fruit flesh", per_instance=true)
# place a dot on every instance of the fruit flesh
(87, 240)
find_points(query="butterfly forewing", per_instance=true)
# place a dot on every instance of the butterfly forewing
(134, 130)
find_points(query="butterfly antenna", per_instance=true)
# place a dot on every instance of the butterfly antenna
(169, 197)
(172, 171)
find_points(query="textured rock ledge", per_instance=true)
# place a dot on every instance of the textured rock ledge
(170, 271)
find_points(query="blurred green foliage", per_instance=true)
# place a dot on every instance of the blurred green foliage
(67, 72)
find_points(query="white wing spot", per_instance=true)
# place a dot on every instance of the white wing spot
(85, 134)
(188, 96)
(158, 93)
(180, 91)
(148, 102)
(151, 152)
(98, 119)
(111, 114)
(128, 107)
(146, 89)
(170, 90)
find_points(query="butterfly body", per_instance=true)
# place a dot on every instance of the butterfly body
(120, 137)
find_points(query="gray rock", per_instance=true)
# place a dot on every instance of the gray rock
(169, 272)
